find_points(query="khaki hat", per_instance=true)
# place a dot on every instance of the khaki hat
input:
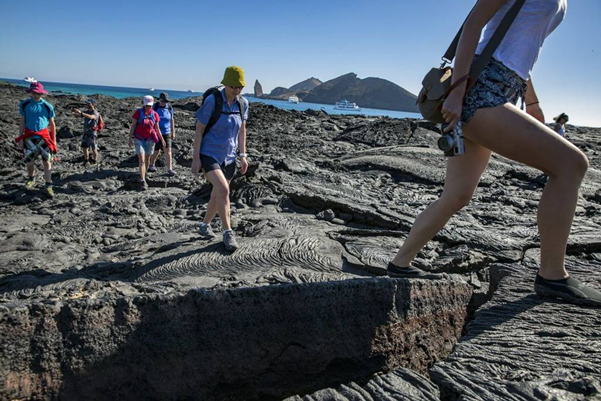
(233, 76)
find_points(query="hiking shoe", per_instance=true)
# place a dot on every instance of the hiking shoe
(409, 272)
(85, 162)
(171, 173)
(49, 191)
(30, 183)
(206, 231)
(143, 184)
(152, 169)
(568, 289)
(92, 161)
(229, 240)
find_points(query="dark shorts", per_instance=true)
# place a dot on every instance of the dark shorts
(34, 146)
(209, 164)
(496, 85)
(88, 140)
(168, 143)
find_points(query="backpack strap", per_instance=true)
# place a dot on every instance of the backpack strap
(241, 106)
(217, 110)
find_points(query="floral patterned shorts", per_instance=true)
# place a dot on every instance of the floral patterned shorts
(495, 86)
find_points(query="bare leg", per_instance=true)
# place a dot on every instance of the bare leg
(141, 158)
(168, 159)
(154, 157)
(86, 153)
(31, 169)
(220, 196)
(462, 176)
(96, 153)
(212, 207)
(47, 171)
(517, 136)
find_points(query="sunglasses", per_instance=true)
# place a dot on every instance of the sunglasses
(237, 87)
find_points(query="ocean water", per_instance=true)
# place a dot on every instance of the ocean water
(122, 92)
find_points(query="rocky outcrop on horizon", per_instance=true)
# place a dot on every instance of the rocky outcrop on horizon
(376, 93)
(107, 291)
(258, 89)
(306, 85)
(281, 93)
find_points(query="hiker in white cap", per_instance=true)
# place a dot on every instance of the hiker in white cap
(144, 133)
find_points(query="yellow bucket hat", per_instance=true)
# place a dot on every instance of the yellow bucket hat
(233, 76)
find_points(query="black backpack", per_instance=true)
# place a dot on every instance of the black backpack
(25, 103)
(219, 107)
(155, 107)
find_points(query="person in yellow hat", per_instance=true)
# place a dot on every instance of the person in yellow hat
(220, 137)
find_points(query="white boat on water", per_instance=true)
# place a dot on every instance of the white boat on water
(293, 99)
(151, 89)
(346, 105)
(30, 79)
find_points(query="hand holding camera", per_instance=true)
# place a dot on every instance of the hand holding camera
(451, 143)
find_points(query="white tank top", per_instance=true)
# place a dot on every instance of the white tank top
(522, 43)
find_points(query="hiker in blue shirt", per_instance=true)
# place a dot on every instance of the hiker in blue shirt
(167, 126)
(37, 115)
(215, 150)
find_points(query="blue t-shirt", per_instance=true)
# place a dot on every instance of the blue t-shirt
(166, 114)
(221, 141)
(37, 116)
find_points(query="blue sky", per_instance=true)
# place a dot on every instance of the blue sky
(187, 44)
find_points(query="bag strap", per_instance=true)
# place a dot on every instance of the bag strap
(492, 44)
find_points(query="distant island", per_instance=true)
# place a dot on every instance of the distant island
(376, 93)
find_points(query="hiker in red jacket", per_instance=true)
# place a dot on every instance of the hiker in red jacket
(37, 115)
(145, 133)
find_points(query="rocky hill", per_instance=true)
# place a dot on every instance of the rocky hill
(376, 93)
(305, 85)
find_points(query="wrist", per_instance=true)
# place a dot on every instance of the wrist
(242, 154)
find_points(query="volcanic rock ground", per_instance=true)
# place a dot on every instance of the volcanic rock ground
(327, 198)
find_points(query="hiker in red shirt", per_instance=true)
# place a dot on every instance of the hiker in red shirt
(37, 115)
(145, 133)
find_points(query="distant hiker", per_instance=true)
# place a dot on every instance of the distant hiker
(90, 134)
(144, 133)
(220, 133)
(491, 123)
(167, 125)
(37, 115)
(560, 124)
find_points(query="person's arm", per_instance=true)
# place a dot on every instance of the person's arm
(532, 103)
(134, 122)
(242, 148)
(21, 131)
(172, 126)
(90, 116)
(156, 126)
(52, 126)
(472, 29)
(200, 129)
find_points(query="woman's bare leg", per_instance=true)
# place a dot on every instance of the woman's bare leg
(511, 133)
(462, 176)
(220, 196)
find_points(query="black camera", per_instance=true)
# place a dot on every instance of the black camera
(451, 143)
